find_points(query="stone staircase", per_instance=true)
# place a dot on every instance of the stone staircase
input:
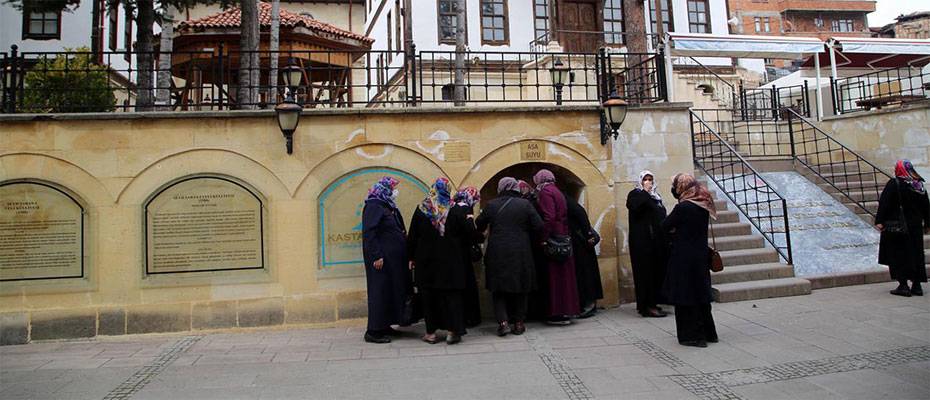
(751, 270)
(699, 90)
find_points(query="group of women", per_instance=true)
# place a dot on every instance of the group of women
(521, 225)
(670, 256)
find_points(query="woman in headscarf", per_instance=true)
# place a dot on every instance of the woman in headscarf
(687, 284)
(510, 273)
(538, 300)
(465, 200)
(904, 199)
(437, 255)
(563, 288)
(648, 248)
(384, 253)
(587, 271)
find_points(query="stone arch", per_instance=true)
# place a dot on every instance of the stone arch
(58, 171)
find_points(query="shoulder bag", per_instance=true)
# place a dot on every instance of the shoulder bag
(897, 226)
(716, 262)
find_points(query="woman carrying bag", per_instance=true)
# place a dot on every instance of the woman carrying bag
(902, 217)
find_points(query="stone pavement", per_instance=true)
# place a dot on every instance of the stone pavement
(844, 343)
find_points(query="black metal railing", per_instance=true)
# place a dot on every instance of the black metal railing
(711, 83)
(846, 171)
(755, 198)
(753, 138)
(84, 81)
(880, 88)
(765, 103)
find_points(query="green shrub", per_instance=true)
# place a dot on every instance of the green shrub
(68, 83)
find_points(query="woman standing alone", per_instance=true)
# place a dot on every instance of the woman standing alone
(648, 249)
(904, 200)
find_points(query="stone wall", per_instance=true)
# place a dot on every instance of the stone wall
(115, 163)
(884, 136)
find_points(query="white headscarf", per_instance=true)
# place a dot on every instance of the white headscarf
(654, 192)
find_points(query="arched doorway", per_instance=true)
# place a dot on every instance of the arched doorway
(569, 183)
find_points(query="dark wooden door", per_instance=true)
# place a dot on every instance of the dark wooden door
(579, 26)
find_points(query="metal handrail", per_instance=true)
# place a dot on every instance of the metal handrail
(715, 79)
(866, 91)
(729, 154)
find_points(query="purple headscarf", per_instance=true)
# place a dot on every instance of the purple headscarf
(384, 190)
(543, 178)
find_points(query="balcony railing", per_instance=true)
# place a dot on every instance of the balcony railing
(880, 88)
(209, 80)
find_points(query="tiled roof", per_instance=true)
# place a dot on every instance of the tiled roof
(232, 18)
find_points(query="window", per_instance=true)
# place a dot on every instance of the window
(41, 25)
(127, 38)
(113, 26)
(818, 22)
(667, 23)
(541, 20)
(765, 22)
(758, 23)
(494, 29)
(397, 26)
(448, 21)
(843, 25)
(613, 22)
(390, 41)
(698, 16)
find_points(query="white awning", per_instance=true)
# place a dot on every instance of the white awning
(742, 46)
(882, 45)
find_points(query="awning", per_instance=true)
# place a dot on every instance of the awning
(877, 53)
(742, 46)
(883, 45)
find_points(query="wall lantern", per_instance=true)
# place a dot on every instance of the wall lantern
(288, 111)
(612, 116)
(560, 73)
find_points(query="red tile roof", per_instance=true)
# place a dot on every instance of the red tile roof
(232, 18)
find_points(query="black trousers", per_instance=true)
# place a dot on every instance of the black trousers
(509, 307)
(695, 323)
(443, 309)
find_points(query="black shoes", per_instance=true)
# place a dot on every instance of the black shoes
(653, 313)
(376, 338)
(693, 343)
(902, 290)
(502, 329)
(588, 312)
(518, 328)
(453, 338)
(916, 290)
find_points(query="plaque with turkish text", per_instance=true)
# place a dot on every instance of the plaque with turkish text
(532, 151)
(41, 233)
(456, 151)
(204, 224)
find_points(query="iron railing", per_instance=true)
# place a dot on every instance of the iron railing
(711, 83)
(880, 88)
(846, 171)
(765, 103)
(754, 138)
(209, 80)
(755, 198)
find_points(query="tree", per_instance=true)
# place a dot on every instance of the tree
(163, 94)
(273, 44)
(68, 83)
(459, 94)
(249, 71)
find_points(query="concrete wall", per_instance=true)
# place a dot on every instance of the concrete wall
(114, 162)
(884, 136)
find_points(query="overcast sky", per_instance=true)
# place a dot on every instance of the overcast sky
(887, 10)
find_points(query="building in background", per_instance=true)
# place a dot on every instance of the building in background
(911, 26)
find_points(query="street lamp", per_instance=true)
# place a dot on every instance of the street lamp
(559, 74)
(613, 115)
(288, 111)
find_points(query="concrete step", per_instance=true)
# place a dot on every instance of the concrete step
(870, 205)
(726, 216)
(731, 229)
(738, 242)
(760, 289)
(752, 272)
(855, 185)
(858, 195)
(749, 256)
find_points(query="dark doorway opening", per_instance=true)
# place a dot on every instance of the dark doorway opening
(565, 180)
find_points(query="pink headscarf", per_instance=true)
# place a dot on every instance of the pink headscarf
(543, 178)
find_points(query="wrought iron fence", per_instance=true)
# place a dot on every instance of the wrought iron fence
(880, 88)
(753, 138)
(711, 83)
(210, 79)
(765, 103)
(755, 198)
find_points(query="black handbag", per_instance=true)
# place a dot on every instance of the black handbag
(898, 226)
(715, 261)
(558, 247)
(476, 252)
(413, 306)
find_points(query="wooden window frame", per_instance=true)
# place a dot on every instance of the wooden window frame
(439, 16)
(506, 27)
(622, 21)
(537, 17)
(836, 24)
(27, 18)
(671, 16)
(693, 25)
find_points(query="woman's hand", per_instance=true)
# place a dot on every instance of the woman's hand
(411, 265)
(880, 227)
(378, 264)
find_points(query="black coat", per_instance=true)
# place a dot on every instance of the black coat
(508, 257)
(470, 298)
(903, 253)
(648, 247)
(687, 282)
(440, 260)
(587, 271)
(384, 236)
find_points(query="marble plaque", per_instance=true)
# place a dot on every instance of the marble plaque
(340, 208)
(532, 151)
(204, 224)
(456, 151)
(41, 233)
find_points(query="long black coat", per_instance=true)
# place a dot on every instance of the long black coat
(470, 299)
(508, 257)
(688, 280)
(648, 247)
(384, 236)
(903, 253)
(440, 259)
(587, 271)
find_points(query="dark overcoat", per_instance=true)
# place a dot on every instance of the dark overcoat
(648, 247)
(903, 253)
(687, 282)
(587, 271)
(508, 257)
(384, 236)
(470, 299)
(440, 260)
(563, 289)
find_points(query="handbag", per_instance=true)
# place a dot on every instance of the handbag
(476, 252)
(898, 226)
(716, 261)
(413, 307)
(558, 247)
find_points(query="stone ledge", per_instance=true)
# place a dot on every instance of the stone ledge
(850, 279)
(913, 106)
